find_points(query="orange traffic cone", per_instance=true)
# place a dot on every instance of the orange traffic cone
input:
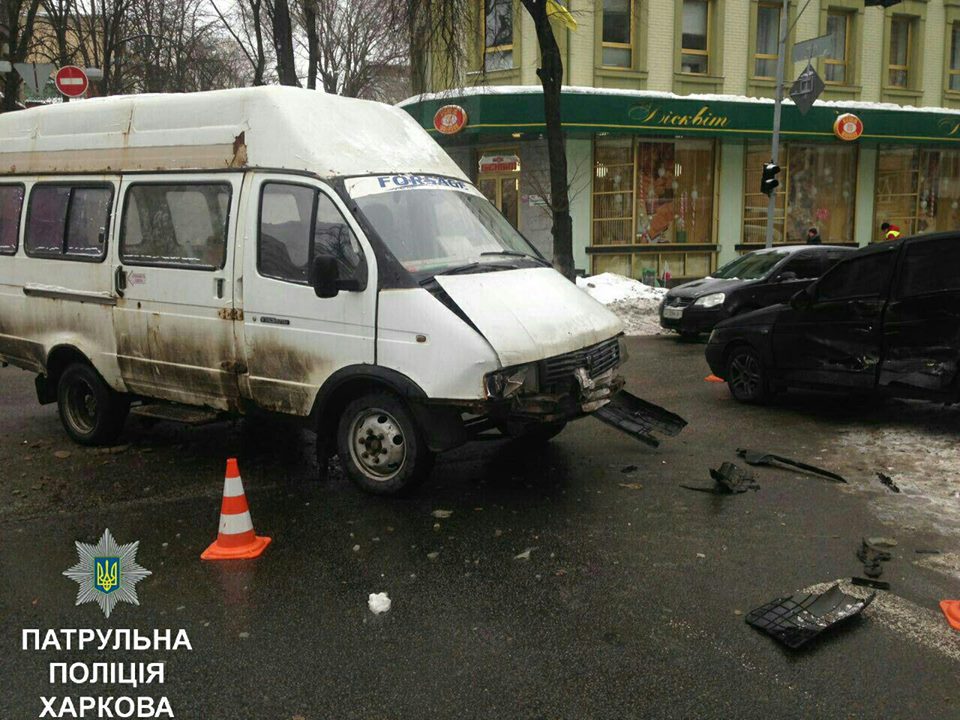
(951, 608)
(713, 378)
(236, 539)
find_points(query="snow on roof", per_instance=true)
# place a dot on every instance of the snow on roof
(705, 97)
(267, 127)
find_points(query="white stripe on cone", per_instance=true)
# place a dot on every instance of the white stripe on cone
(235, 524)
(232, 487)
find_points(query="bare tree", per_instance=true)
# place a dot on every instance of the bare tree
(438, 26)
(19, 19)
(245, 22)
(281, 24)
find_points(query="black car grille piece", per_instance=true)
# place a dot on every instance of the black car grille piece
(597, 359)
(677, 301)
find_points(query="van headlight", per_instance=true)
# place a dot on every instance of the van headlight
(510, 381)
(711, 300)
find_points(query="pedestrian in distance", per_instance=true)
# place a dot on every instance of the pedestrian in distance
(890, 232)
(813, 237)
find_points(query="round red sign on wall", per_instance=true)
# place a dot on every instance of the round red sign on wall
(450, 119)
(848, 127)
(72, 81)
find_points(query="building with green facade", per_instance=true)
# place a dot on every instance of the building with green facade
(668, 110)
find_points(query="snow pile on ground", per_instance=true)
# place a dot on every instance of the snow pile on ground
(637, 305)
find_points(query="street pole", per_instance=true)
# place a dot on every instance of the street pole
(778, 102)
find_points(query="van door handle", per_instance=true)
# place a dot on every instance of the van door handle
(218, 288)
(120, 280)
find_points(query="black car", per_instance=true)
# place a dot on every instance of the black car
(885, 319)
(752, 281)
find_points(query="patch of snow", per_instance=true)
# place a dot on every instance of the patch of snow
(640, 94)
(637, 305)
(378, 603)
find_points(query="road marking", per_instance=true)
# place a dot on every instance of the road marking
(923, 626)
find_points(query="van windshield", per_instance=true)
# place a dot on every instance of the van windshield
(436, 225)
(750, 266)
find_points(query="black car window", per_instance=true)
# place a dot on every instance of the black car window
(930, 266)
(860, 277)
(805, 266)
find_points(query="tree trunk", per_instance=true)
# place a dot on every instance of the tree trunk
(551, 78)
(283, 42)
(313, 42)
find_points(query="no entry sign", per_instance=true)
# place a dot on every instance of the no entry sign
(72, 81)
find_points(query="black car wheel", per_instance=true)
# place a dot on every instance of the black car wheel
(746, 375)
(92, 412)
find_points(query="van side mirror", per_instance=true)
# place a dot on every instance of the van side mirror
(803, 299)
(326, 281)
(325, 276)
(786, 275)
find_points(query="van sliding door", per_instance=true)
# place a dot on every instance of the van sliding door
(173, 278)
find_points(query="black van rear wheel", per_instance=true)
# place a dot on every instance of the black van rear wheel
(91, 411)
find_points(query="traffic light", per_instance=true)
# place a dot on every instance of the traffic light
(769, 182)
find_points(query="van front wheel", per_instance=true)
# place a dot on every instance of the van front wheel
(92, 412)
(380, 445)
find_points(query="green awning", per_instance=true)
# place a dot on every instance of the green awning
(590, 111)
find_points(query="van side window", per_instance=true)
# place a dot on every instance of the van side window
(181, 225)
(11, 203)
(298, 223)
(866, 277)
(931, 266)
(69, 222)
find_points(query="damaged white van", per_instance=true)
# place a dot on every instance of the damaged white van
(282, 251)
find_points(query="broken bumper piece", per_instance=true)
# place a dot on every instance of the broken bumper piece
(639, 418)
(798, 619)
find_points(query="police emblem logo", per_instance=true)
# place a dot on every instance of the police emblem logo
(107, 573)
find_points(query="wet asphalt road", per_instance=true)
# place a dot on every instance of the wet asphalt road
(614, 615)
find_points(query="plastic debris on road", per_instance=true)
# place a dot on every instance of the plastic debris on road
(442, 514)
(754, 457)
(729, 480)
(795, 620)
(872, 552)
(378, 603)
(888, 481)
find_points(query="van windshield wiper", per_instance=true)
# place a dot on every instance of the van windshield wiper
(469, 267)
(516, 253)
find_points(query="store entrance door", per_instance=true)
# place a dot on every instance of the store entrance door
(504, 193)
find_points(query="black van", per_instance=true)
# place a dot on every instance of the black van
(754, 280)
(885, 319)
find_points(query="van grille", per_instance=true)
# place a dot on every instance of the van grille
(597, 359)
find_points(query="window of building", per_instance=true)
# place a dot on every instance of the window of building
(954, 72)
(69, 222)
(181, 225)
(497, 34)
(11, 204)
(695, 37)
(299, 223)
(835, 64)
(618, 33)
(817, 189)
(768, 33)
(918, 190)
(901, 38)
(653, 193)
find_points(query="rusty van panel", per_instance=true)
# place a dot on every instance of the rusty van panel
(124, 159)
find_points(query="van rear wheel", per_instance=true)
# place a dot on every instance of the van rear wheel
(91, 411)
(380, 446)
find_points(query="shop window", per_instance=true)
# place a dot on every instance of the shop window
(901, 40)
(768, 34)
(613, 192)
(695, 37)
(817, 189)
(674, 192)
(954, 71)
(11, 203)
(836, 63)
(618, 33)
(917, 190)
(497, 34)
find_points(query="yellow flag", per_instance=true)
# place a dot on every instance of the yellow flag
(560, 13)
